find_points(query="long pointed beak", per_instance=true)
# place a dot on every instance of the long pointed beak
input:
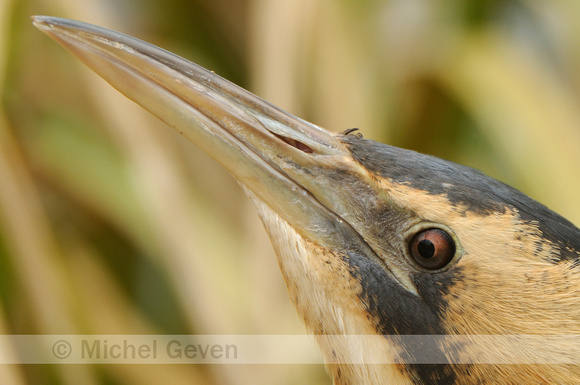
(277, 156)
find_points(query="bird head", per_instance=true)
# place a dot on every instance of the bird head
(372, 240)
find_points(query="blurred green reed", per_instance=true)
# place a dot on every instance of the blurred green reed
(111, 223)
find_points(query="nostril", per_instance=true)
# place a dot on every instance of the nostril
(296, 144)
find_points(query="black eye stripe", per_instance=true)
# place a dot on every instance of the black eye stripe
(432, 248)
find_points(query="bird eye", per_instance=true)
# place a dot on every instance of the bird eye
(432, 248)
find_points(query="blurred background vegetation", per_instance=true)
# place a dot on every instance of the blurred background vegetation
(110, 223)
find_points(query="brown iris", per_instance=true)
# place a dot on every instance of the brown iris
(432, 248)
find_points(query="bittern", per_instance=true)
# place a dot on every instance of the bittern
(372, 240)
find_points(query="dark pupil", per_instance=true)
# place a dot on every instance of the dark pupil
(426, 248)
